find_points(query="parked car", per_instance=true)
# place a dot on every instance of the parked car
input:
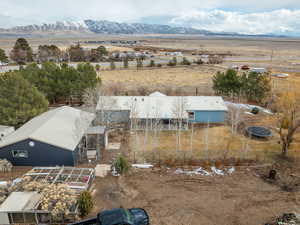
(119, 216)
(245, 67)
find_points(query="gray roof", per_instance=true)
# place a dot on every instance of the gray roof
(96, 130)
(62, 127)
(20, 201)
(158, 105)
(3, 128)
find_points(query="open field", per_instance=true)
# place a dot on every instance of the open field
(185, 78)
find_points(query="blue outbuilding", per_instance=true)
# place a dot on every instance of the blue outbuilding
(51, 139)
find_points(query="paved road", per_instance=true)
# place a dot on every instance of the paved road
(102, 64)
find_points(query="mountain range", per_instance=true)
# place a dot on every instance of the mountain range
(104, 27)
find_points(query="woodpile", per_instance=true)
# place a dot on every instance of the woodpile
(58, 199)
(5, 166)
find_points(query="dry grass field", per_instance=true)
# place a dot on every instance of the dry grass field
(213, 143)
(187, 78)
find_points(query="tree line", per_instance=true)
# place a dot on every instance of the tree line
(27, 92)
(252, 86)
(22, 53)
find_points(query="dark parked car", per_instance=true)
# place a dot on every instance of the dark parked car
(120, 216)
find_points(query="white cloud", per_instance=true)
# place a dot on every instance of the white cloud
(242, 16)
(277, 21)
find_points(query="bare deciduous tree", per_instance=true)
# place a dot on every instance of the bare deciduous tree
(180, 115)
(235, 117)
(288, 118)
(96, 101)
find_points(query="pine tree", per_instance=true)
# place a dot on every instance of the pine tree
(112, 65)
(3, 57)
(97, 67)
(139, 63)
(152, 63)
(125, 62)
(60, 83)
(76, 53)
(22, 52)
(85, 203)
(19, 100)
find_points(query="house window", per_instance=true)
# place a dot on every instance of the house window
(20, 153)
(191, 115)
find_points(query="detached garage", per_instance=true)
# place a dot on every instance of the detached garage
(50, 139)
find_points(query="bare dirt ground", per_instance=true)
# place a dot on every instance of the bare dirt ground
(242, 198)
(17, 171)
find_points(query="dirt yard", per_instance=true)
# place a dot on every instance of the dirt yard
(242, 198)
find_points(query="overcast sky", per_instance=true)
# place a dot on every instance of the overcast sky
(255, 16)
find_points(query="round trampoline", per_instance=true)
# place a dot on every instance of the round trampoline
(259, 132)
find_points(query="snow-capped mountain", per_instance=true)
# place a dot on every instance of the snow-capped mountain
(105, 27)
(58, 26)
(108, 27)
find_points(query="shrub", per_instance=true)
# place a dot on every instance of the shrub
(255, 110)
(152, 63)
(97, 67)
(112, 65)
(285, 123)
(85, 203)
(185, 61)
(199, 62)
(172, 62)
(121, 164)
(125, 62)
(158, 65)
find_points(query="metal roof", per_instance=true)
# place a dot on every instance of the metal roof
(157, 94)
(62, 127)
(161, 106)
(20, 201)
(96, 130)
(4, 128)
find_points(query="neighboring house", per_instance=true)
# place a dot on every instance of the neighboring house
(5, 130)
(3, 63)
(50, 139)
(179, 54)
(159, 107)
(259, 70)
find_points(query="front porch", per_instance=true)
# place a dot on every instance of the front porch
(159, 124)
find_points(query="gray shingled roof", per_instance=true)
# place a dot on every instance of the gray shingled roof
(62, 127)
